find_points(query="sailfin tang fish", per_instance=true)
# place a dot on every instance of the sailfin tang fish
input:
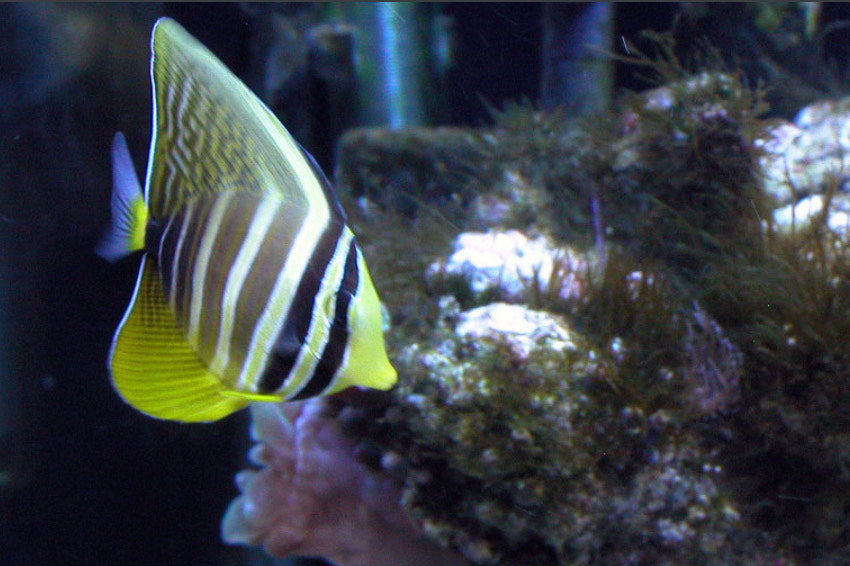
(251, 286)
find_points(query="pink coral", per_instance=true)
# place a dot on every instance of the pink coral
(313, 497)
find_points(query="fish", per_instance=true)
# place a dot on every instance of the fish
(251, 286)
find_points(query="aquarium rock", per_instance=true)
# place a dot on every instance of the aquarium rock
(807, 156)
(804, 167)
(510, 456)
(510, 264)
(794, 216)
(520, 328)
(311, 495)
(405, 170)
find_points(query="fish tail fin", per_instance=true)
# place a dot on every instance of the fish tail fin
(129, 211)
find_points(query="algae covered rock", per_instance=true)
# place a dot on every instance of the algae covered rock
(508, 456)
(673, 393)
(804, 156)
(804, 167)
(407, 168)
(490, 423)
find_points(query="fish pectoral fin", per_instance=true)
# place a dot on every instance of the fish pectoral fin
(155, 369)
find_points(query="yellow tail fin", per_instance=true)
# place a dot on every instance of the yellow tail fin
(129, 211)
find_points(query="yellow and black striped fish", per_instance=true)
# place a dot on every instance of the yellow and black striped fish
(251, 286)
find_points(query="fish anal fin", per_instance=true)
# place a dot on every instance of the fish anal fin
(155, 369)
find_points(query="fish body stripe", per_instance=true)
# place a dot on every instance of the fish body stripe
(261, 220)
(195, 221)
(177, 254)
(168, 254)
(272, 259)
(266, 313)
(281, 299)
(287, 347)
(321, 316)
(320, 321)
(222, 266)
(200, 275)
(337, 339)
(293, 335)
(233, 236)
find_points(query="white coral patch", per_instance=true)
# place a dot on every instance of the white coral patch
(508, 261)
(521, 328)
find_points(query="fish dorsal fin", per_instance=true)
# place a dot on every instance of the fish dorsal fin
(330, 194)
(211, 133)
(154, 368)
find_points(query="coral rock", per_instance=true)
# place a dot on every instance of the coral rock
(521, 328)
(511, 264)
(313, 497)
(802, 157)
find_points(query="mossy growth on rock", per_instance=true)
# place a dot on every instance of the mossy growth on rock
(704, 407)
(404, 170)
(513, 457)
(790, 314)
